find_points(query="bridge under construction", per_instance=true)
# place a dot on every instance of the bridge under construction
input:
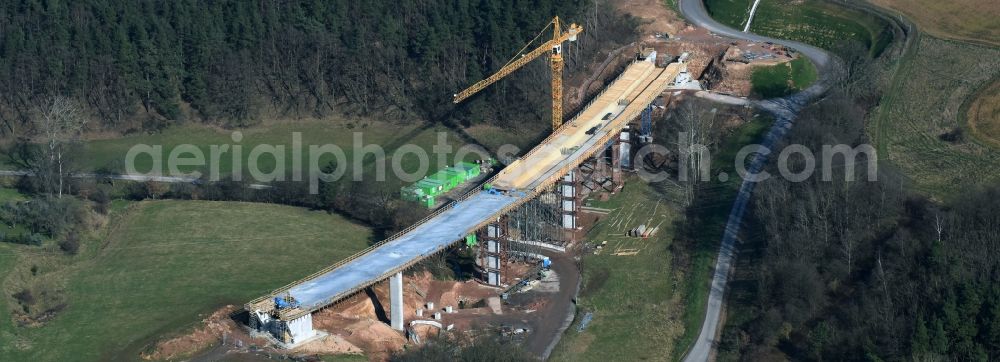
(602, 124)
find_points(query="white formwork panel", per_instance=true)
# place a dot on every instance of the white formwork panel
(493, 261)
(568, 191)
(626, 155)
(569, 221)
(568, 205)
(569, 177)
(493, 231)
(493, 246)
(301, 328)
(494, 278)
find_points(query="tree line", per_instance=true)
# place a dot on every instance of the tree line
(860, 270)
(144, 65)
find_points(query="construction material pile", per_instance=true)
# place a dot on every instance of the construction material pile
(642, 231)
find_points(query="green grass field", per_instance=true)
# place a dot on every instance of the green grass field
(966, 20)
(162, 268)
(930, 97)
(110, 154)
(9, 194)
(633, 298)
(8, 335)
(810, 21)
(526, 137)
(783, 79)
(984, 114)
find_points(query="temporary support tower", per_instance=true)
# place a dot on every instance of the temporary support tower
(570, 199)
(646, 129)
(493, 252)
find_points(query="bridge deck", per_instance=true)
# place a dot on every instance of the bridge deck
(422, 241)
(637, 86)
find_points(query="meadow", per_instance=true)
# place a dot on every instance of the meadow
(812, 22)
(921, 123)
(157, 268)
(780, 80)
(633, 298)
(110, 154)
(965, 20)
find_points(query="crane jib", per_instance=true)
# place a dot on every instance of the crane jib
(554, 46)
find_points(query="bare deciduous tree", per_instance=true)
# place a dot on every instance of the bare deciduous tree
(695, 122)
(60, 125)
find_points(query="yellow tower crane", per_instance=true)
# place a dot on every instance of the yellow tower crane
(555, 60)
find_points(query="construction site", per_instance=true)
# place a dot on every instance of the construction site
(520, 223)
(527, 209)
(564, 180)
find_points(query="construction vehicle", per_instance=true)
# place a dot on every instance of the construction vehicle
(285, 302)
(555, 59)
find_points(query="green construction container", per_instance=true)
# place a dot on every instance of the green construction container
(431, 186)
(469, 169)
(450, 178)
(470, 240)
(411, 193)
(439, 182)
(429, 202)
(443, 178)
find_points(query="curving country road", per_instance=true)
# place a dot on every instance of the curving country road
(784, 110)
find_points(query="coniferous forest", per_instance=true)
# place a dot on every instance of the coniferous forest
(143, 65)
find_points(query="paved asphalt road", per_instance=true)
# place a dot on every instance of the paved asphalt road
(138, 178)
(784, 110)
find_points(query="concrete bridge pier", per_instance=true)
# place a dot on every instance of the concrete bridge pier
(620, 149)
(396, 301)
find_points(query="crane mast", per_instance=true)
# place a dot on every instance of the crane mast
(555, 61)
